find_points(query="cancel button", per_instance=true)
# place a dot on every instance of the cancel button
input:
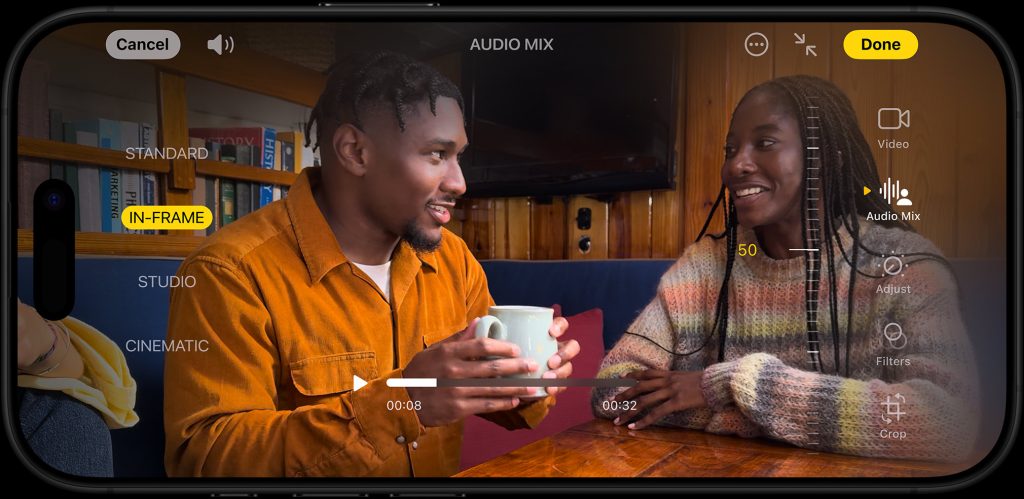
(141, 44)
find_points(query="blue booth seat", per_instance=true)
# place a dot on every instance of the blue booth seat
(109, 297)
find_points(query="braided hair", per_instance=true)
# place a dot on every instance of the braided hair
(367, 80)
(837, 164)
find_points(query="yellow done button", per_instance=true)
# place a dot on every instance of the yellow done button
(166, 217)
(879, 44)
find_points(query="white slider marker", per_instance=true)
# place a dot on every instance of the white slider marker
(412, 382)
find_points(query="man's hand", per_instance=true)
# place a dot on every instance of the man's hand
(463, 356)
(663, 392)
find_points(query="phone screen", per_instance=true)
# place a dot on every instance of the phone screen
(357, 250)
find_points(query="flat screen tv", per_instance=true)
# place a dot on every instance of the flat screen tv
(556, 109)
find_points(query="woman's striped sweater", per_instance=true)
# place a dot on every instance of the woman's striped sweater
(765, 386)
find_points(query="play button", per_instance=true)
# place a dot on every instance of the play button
(357, 382)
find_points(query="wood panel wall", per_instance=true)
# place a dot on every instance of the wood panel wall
(955, 168)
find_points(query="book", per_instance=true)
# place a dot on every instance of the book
(243, 198)
(214, 149)
(199, 199)
(304, 155)
(292, 142)
(131, 179)
(256, 189)
(110, 178)
(229, 153)
(150, 180)
(261, 139)
(86, 133)
(227, 201)
(33, 121)
(278, 151)
(243, 155)
(211, 202)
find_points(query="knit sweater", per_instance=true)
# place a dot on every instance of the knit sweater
(766, 386)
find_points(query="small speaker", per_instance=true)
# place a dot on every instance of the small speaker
(583, 218)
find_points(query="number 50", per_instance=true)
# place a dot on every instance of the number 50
(747, 249)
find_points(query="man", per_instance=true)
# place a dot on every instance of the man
(351, 274)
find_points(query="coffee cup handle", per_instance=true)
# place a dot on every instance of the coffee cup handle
(490, 327)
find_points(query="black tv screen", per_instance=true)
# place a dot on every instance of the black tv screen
(570, 109)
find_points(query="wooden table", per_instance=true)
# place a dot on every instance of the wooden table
(601, 449)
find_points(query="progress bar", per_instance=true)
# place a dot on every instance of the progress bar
(358, 382)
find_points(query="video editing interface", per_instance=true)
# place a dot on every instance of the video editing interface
(512, 249)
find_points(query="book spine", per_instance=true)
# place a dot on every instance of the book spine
(212, 193)
(243, 154)
(214, 148)
(229, 153)
(268, 154)
(243, 198)
(131, 179)
(199, 199)
(256, 189)
(296, 142)
(110, 138)
(288, 156)
(150, 188)
(227, 201)
(86, 133)
(105, 196)
(278, 165)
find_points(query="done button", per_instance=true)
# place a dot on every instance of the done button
(166, 217)
(880, 44)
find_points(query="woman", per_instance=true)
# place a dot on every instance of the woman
(73, 386)
(785, 340)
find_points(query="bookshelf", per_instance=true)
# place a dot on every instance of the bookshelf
(244, 70)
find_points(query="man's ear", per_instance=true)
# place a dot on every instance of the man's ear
(351, 147)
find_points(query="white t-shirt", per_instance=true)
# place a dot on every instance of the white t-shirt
(381, 275)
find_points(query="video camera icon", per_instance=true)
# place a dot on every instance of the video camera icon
(893, 118)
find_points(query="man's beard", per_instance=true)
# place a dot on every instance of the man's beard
(419, 241)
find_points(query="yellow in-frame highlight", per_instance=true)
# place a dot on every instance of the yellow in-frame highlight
(166, 217)
(880, 44)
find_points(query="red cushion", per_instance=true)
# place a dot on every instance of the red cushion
(483, 440)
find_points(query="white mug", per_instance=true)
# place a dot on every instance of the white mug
(526, 327)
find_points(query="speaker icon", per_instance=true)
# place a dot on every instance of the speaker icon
(221, 44)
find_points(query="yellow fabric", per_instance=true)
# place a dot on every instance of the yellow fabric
(106, 386)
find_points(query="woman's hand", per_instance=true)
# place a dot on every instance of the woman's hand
(663, 392)
(34, 336)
